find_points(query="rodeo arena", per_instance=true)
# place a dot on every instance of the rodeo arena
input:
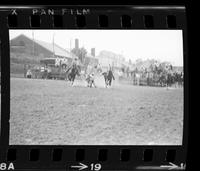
(106, 98)
(64, 65)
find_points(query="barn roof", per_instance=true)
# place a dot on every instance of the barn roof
(59, 51)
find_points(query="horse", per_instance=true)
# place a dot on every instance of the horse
(170, 79)
(166, 79)
(72, 72)
(162, 79)
(178, 79)
(108, 76)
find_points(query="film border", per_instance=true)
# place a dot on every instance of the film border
(137, 14)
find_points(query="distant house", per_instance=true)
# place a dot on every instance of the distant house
(91, 60)
(107, 58)
(38, 49)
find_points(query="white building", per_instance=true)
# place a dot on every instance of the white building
(107, 58)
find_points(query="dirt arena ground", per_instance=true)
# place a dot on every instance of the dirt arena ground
(51, 112)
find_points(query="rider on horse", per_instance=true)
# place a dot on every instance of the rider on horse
(73, 71)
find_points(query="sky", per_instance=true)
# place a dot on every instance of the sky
(162, 45)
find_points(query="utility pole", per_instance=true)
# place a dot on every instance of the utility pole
(33, 42)
(53, 45)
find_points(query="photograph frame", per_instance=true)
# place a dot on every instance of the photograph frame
(90, 152)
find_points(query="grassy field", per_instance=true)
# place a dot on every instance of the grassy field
(51, 112)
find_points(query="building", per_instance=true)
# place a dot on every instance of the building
(91, 59)
(107, 58)
(38, 49)
(27, 53)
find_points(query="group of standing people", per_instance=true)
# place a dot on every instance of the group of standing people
(158, 77)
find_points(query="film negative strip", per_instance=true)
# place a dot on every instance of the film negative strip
(93, 88)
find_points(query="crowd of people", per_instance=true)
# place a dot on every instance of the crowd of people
(158, 75)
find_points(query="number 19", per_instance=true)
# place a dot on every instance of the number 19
(95, 167)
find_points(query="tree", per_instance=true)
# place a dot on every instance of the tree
(80, 53)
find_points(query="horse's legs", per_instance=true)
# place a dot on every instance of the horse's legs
(94, 84)
(73, 80)
(110, 81)
(105, 82)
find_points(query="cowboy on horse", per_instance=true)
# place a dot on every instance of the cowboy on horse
(72, 72)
